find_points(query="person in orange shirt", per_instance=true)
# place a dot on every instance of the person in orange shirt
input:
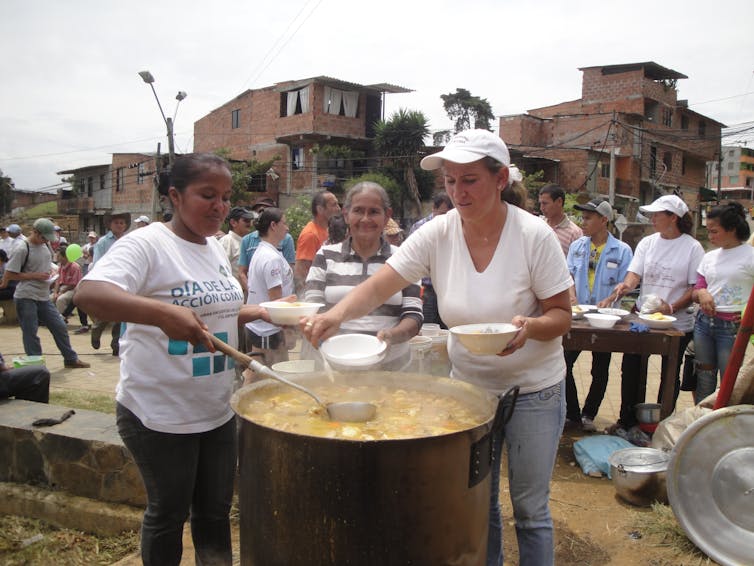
(314, 234)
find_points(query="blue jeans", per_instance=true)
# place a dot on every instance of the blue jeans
(531, 438)
(713, 342)
(30, 314)
(183, 473)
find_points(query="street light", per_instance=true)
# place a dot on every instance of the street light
(148, 78)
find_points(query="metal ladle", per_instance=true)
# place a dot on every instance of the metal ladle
(347, 411)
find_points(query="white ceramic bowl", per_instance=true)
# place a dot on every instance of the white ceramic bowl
(664, 323)
(615, 312)
(601, 320)
(348, 352)
(288, 314)
(587, 308)
(292, 367)
(485, 339)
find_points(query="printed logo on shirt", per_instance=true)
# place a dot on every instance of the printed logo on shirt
(204, 365)
(195, 294)
(224, 271)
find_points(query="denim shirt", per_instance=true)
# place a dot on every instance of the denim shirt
(611, 268)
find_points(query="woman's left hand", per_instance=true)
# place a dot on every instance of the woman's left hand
(520, 338)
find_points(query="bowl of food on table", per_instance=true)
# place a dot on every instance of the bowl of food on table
(657, 320)
(486, 339)
(578, 311)
(598, 320)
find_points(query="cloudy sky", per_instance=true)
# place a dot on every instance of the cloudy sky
(70, 93)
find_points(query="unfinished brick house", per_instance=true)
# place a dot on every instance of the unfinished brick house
(318, 131)
(629, 113)
(126, 184)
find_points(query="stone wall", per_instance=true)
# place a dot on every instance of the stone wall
(83, 456)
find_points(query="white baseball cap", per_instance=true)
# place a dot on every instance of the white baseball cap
(143, 219)
(467, 147)
(667, 203)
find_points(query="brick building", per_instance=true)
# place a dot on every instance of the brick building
(628, 116)
(317, 130)
(126, 184)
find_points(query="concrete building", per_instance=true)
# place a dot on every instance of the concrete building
(628, 129)
(316, 130)
(737, 166)
(126, 184)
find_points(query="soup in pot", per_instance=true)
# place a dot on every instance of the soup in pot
(401, 413)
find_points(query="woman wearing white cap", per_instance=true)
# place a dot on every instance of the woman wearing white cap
(491, 262)
(665, 263)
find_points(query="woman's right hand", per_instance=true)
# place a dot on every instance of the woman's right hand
(182, 323)
(706, 302)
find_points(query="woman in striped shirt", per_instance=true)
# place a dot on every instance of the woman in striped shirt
(338, 268)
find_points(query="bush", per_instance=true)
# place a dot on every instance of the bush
(299, 216)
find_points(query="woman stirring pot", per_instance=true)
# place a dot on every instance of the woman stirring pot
(490, 262)
(171, 283)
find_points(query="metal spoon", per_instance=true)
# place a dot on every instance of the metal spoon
(353, 411)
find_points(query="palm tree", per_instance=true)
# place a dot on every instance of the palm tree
(401, 139)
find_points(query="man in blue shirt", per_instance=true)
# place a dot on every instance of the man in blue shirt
(598, 262)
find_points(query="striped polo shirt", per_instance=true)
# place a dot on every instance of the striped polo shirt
(567, 233)
(337, 269)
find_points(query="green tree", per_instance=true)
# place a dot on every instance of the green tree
(242, 172)
(401, 139)
(6, 194)
(462, 107)
(298, 215)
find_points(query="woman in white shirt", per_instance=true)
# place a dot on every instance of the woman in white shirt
(270, 278)
(665, 263)
(723, 286)
(171, 284)
(491, 262)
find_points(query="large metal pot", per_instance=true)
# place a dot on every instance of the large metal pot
(648, 413)
(320, 501)
(639, 475)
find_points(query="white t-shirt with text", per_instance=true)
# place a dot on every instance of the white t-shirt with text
(268, 269)
(169, 384)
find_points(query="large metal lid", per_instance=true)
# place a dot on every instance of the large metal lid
(710, 482)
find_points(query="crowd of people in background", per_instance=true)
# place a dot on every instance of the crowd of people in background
(374, 276)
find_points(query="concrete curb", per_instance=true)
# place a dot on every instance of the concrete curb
(68, 511)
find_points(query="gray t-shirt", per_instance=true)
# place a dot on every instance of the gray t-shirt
(39, 260)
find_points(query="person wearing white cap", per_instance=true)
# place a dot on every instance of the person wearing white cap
(597, 261)
(142, 221)
(490, 262)
(665, 263)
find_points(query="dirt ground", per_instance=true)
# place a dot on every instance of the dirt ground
(593, 527)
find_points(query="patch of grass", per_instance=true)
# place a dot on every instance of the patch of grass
(43, 209)
(663, 528)
(29, 541)
(83, 400)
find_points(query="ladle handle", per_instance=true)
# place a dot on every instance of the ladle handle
(251, 363)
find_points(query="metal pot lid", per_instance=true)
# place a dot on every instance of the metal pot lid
(640, 459)
(710, 482)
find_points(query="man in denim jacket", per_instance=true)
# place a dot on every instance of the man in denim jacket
(597, 261)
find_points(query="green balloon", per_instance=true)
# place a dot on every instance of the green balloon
(73, 252)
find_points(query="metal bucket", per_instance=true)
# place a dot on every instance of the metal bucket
(319, 501)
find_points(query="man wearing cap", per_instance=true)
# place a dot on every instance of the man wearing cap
(551, 203)
(250, 243)
(15, 236)
(142, 221)
(239, 224)
(60, 241)
(30, 266)
(86, 251)
(598, 262)
(119, 224)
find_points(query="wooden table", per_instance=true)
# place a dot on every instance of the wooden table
(620, 339)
